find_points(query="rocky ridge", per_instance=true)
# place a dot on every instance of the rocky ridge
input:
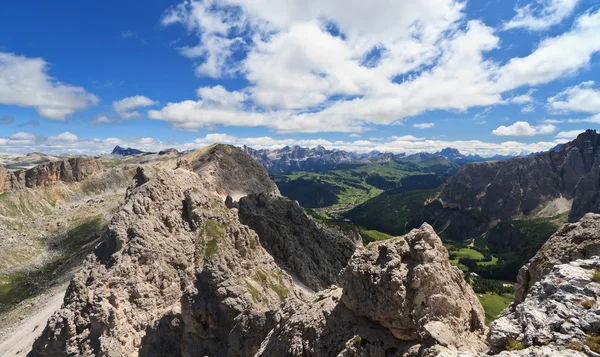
(179, 274)
(520, 186)
(313, 253)
(70, 170)
(580, 240)
(185, 269)
(174, 255)
(561, 310)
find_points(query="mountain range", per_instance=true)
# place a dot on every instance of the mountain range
(199, 253)
(296, 158)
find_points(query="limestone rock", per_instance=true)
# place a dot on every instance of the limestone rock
(560, 310)
(572, 241)
(312, 252)
(398, 298)
(228, 171)
(408, 286)
(176, 269)
(510, 188)
(70, 170)
(323, 326)
(544, 351)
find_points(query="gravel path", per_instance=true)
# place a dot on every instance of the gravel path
(23, 334)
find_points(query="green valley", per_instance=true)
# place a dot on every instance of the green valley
(347, 186)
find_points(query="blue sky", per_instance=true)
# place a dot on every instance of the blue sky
(485, 77)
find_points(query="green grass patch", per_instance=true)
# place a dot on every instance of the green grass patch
(596, 276)
(494, 304)
(514, 345)
(371, 235)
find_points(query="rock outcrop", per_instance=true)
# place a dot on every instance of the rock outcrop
(311, 252)
(510, 188)
(229, 171)
(177, 275)
(70, 170)
(397, 297)
(572, 241)
(560, 310)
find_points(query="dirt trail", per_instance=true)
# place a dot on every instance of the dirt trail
(23, 334)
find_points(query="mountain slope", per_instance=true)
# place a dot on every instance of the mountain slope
(523, 186)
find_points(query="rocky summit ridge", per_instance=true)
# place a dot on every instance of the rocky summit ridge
(531, 185)
(187, 269)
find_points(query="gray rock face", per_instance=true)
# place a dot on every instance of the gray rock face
(229, 171)
(506, 189)
(176, 264)
(560, 310)
(398, 297)
(408, 286)
(313, 253)
(71, 170)
(572, 241)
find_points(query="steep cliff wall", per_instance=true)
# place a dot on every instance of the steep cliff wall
(70, 170)
(510, 188)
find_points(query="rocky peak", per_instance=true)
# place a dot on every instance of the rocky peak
(229, 171)
(126, 151)
(170, 151)
(397, 297)
(177, 269)
(408, 286)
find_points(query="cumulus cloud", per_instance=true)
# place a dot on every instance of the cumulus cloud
(25, 82)
(523, 128)
(541, 14)
(321, 66)
(424, 125)
(580, 98)
(529, 108)
(125, 106)
(101, 119)
(523, 98)
(568, 135)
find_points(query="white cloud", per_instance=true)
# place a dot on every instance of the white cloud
(62, 138)
(594, 119)
(125, 106)
(554, 57)
(580, 98)
(529, 108)
(541, 14)
(523, 128)
(568, 135)
(101, 119)
(304, 78)
(24, 82)
(22, 136)
(424, 125)
(523, 98)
